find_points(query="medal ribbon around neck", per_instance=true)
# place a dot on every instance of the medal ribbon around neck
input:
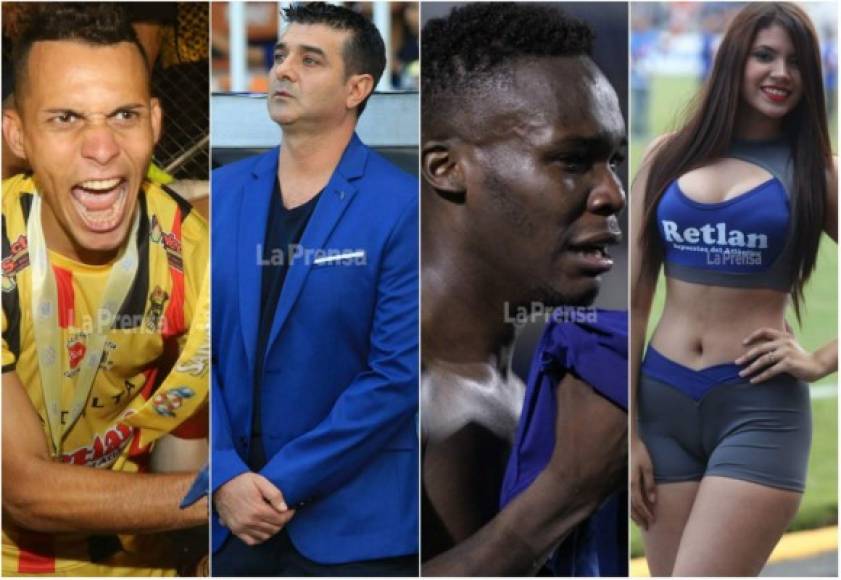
(48, 336)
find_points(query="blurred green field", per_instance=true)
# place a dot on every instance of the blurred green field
(820, 318)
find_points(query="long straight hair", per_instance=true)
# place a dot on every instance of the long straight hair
(710, 129)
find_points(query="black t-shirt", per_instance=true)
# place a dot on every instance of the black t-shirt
(284, 229)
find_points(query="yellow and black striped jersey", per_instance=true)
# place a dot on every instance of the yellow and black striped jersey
(152, 323)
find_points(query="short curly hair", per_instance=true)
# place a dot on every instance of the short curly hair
(95, 23)
(471, 44)
(364, 52)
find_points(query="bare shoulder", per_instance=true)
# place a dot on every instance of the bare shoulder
(648, 156)
(654, 147)
(454, 396)
(656, 143)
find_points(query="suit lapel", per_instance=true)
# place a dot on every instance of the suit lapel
(334, 200)
(255, 198)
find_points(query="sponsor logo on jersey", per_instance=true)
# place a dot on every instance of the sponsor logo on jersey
(167, 403)
(105, 448)
(714, 235)
(198, 363)
(169, 241)
(156, 308)
(17, 260)
(76, 349)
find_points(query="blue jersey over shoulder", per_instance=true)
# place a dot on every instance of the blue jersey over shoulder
(596, 351)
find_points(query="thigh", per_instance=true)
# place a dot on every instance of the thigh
(671, 511)
(669, 424)
(733, 527)
(760, 433)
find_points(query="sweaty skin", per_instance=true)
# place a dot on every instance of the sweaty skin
(505, 216)
(588, 463)
(471, 414)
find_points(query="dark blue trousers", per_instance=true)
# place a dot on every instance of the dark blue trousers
(278, 557)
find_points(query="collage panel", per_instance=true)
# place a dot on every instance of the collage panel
(105, 292)
(315, 290)
(734, 454)
(365, 289)
(524, 289)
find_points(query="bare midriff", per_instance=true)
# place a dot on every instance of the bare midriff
(703, 326)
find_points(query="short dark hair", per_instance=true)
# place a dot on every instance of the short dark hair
(96, 23)
(364, 52)
(468, 46)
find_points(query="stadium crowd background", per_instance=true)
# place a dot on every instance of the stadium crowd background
(259, 22)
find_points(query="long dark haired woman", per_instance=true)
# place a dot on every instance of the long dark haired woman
(732, 205)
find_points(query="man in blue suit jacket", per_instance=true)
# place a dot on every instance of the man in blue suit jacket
(315, 326)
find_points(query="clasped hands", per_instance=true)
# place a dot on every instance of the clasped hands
(252, 507)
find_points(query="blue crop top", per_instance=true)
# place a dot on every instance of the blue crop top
(743, 242)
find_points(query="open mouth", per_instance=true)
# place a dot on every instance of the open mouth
(100, 202)
(595, 252)
(592, 258)
(589, 251)
(776, 94)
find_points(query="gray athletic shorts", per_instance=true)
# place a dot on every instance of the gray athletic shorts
(759, 433)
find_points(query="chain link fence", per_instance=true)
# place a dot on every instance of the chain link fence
(180, 80)
(175, 35)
